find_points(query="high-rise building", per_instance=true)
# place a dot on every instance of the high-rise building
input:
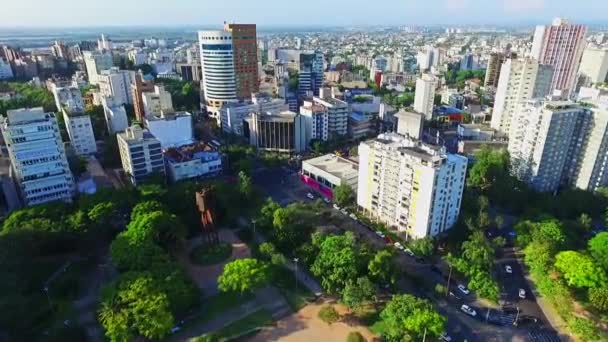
(80, 130)
(283, 132)
(310, 78)
(60, 50)
(591, 173)
(561, 46)
(520, 80)
(316, 121)
(547, 143)
(95, 62)
(6, 72)
(407, 184)
(140, 153)
(139, 87)
(229, 65)
(494, 66)
(594, 64)
(117, 83)
(425, 95)
(68, 97)
(38, 160)
(337, 115)
(233, 114)
(157, 103)
(410, 124)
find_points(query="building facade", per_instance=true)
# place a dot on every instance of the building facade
(520, 80)
(117, 83)
(594, 64)
(140, 153)
(284, 132)
(95, 62)
(115, 115)
(38, 161)
(311, 75)
(172, 130)
(157, 102)
(80, 131)
(326, 173)
(68, 97)
(316, 121)
(413, 187)
(232, 114)
(245, 52)
(495, 62)
(192, 162)
(560, 46)
(425, 95)
(140, 86)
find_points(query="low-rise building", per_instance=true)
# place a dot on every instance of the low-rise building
(327, 172)
(192, 161)
(475, 132)
(156, 103)
(80, 130)
(284, 132)
(140, 153)
(316, 120)
(359, 126)
(232, 114)
(172, 129)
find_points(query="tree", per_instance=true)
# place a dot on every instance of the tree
(344, 195)
(355, 336)
(383, 268)
(336, 263)
(291, 227)
(245, 187)
(129, 255)
(579, 270)
(266, 217)
(598, 297)
(158, 226)
(407, 318)
(328, 314)
(103, 214)
(243, 275)
(422, 247)
(144, 208)
(357, 293)
(598, 248)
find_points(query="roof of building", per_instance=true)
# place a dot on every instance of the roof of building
(337, 166)
(447, 110)
(199, 150)
(359, 117)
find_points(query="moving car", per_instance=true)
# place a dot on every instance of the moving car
(468, 310)
(445, 337)
(336, 206)
(380, 234)
(522, 293)
(508, 269)
(409, 252)
(326, 200)
(463, 289)
(310, 196)
(398, 246)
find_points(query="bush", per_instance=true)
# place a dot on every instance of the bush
(207, 254)
(441, 289)
(355, 336)
(328, 314)
(585, 329)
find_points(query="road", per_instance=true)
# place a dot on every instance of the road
(284, 186)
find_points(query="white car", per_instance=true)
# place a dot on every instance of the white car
(380, 234)
(326, 200)
(352, 216)
(445, 337)
(522, 293)
(508, 269)
(336, 206)
(468, 310)
(310, 196)
(343, 211)
(175, 329)
(398, 246)
(409, 252)
(463, 289)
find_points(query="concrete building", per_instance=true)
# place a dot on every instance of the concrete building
(115, 115)
(138, 88)
(68, 97)
(138, 57)
(156, 103)
(310, 77)
(325, 173)
(316, 121)
(359, 126)
(80, 130)
(495, 62)
(413, 187)
(39, 164)
(410, 124)
(592, 171)
(117, 83)
(232, 114)
(6, 72)
(520, 80)
(560, 46)
(229, 65)
(594, 64)
(95, 62)
(192, 162)
(284, 132)
(425, 95)
(140, 153)
(337, 115)
(171, 129)
(475, 132)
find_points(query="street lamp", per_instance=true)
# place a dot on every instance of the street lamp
(48, 297)
(295, 260)
(254, 236)
(449, 278)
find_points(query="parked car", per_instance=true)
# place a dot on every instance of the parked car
(343, 211)
(508, 269)
(326, 200)
(409, 252)
(380, 234)
(468, 310)
(463, 289)
(352, 216)
(310, 196)
(522, 293)
(445, 337)
(336, 206)
(399, 246)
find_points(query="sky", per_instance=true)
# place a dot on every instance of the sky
(88, 13)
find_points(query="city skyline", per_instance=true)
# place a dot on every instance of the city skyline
(317, 13)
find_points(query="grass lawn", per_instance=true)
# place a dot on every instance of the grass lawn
(246, 326)
(213, 306)
(211, 254)
(284, 280)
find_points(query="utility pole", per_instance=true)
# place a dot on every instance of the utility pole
(424, 336)
(516, 317)
(447, 292)
(488, 315)
(295, 260)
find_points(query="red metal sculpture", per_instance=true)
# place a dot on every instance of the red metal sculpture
(206, 203)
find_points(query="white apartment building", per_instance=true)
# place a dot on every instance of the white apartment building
(520, 80)
(140, 153)
(95, 62)
(316, 120)
(138, 57)
(117, 83)
(171, 129)
(67, 97)
(593, 170)
(414, 187)
(232, 114)
(38, 161)
(425, 95)
(192, 161)
(80, 130)
(115, 114)
(594, 64)
(337, 115)
(158, 102)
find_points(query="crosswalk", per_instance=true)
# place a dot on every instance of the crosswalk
(543, 336)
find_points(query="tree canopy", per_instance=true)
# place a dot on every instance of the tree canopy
(407, 317)
(243, 275)
(344, 195)
(579, 270)
(336, 263)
